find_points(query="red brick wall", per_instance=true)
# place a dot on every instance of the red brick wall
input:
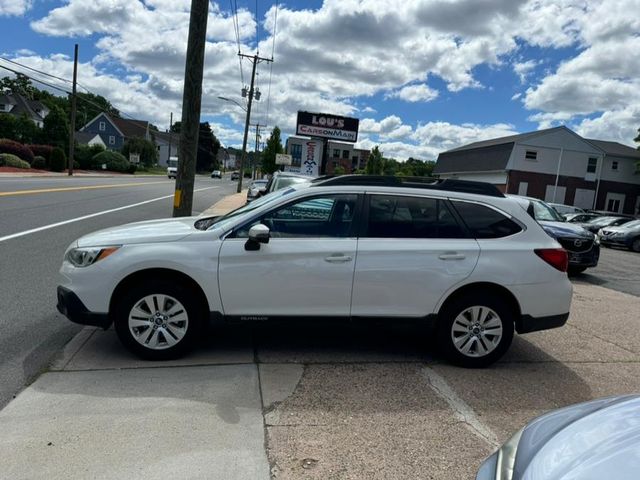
(345, 162)
(538, 184)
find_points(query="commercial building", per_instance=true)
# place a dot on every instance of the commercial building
(307, 150)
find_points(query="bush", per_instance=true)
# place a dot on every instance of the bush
(58, 160)
(84, 155)
(132, 168)
(115, 161)
(21, 151)
(10, 160)
(43, 151)
(39, 162)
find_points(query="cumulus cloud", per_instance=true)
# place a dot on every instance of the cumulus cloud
(523, 69)
(10, 8)
(415, 93)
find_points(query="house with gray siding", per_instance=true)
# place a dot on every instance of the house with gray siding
(556, 165)
(18, 105)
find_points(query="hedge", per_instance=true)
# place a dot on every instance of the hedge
(43, 151)
(39, 162)
(19, 150)
(10, 160)
(58, 160)
(116, 162)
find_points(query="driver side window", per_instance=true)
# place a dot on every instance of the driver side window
(322, 216)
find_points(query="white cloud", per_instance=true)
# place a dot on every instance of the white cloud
(523, 69)
(10, 8)
(415, 93)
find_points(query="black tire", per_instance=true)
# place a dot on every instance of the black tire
(452, 309)
(635, 245)
(576, 270)
(191, 327)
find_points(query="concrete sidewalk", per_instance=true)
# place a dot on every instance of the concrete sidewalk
(228, 203)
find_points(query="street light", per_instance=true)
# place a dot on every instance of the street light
(233, 101)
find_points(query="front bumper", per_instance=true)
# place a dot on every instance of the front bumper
(585, 259)
(72, 307)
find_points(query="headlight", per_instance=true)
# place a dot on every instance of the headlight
(83, 257)
(596, 239)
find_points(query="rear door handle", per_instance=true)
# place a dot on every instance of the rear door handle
(338, 258)
(451, 256)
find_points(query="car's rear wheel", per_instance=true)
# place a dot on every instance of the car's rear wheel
(635, 245)
(476, 329)
(158, 320)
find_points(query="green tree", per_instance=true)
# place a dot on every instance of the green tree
(58, 160)
(145, 148)
(208, 146)
(26, 130)
(375, 163)
(55, 130)
(273, 147)
(175, 128)
(8, 126)
(18, 84)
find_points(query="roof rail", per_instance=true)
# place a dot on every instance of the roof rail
(453, 185)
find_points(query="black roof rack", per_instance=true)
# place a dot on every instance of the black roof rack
(464, 186)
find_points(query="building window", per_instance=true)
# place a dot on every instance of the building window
(592, 165)
(102, 126)
(296, 155)
(112, 140)
(345, 154)
(531, 155)
(2, 107)
(614, 165)
(336, 153)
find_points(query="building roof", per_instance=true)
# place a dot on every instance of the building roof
(7, 99)
(615, 148)
(503, 140)
(24, 106)
(131, 128)
(479, 159)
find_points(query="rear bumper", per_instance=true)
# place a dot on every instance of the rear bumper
(72, 307)
(527, 323)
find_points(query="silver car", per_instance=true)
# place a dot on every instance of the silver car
(595, 440)
(256, 189)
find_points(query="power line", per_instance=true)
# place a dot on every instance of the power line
(36, 80)
(236, 27)
(273, 49)
(257, 35)
(42, 73)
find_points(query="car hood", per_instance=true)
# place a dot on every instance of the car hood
(564, 229)
(151, 231)
(597, 439)
(622, 229)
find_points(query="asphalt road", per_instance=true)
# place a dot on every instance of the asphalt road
(618, 270)
(32, 329)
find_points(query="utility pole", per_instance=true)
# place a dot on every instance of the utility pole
(170, 127)
(191, 104)
(257, 148)
(255, 59)
(72, 133)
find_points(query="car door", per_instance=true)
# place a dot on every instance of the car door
(306, 268)
(411, 250)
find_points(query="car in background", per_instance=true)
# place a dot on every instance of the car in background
(582, 246)
(626, 235)
(598, 223)
(172, 167)
(280, 180)
(580, 217)
(562, 209)
(592, 440)
(235, 176)
(255, 189)
(216, 174)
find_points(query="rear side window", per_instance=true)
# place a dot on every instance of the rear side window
(485, 222)
(411, 217)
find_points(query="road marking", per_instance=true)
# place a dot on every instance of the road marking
(70, 189)
(461, 410)
(85, 217)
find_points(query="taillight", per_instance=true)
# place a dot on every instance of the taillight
(556, 257)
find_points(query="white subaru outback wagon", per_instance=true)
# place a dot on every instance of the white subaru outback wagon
(458, 256)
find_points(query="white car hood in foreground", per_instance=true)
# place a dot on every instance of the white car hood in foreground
(151, 231)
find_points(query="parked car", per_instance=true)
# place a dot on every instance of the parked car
(580, 217)
(431, 253)
(216, 174)
(235, 176)
(598, 439)
(562, 209)
(583, 246)
(255, 189)
(598, 223)
(281, 180)
(626, 235)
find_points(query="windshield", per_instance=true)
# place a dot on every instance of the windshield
(283, 182)
(542, 211)
(222, 221)
(633, 224)
(602, 220)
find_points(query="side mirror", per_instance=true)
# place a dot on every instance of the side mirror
(261, 191)
(257, 234)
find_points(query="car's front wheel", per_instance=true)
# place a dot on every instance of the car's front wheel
(635, 245)
(476, 329)
(157, 320)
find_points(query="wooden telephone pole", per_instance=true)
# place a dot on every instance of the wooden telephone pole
(191, 105)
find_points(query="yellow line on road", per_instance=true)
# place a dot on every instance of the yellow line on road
(70, 189)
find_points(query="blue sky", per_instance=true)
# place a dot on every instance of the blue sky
(423, 76)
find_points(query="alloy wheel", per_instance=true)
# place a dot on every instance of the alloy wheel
(476, 331)
(158, 321)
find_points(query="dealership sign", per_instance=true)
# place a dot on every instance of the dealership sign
(283, 159)
(327, 126)
(310, 161)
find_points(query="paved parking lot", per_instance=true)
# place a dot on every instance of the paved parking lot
(618, 269)
(312, 402)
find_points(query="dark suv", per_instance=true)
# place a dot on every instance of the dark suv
(582, 245)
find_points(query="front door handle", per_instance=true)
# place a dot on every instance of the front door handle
(338, 258)
(451, 256)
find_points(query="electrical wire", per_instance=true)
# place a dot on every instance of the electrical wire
(236, 27)
(43, 73)
(273, 49)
